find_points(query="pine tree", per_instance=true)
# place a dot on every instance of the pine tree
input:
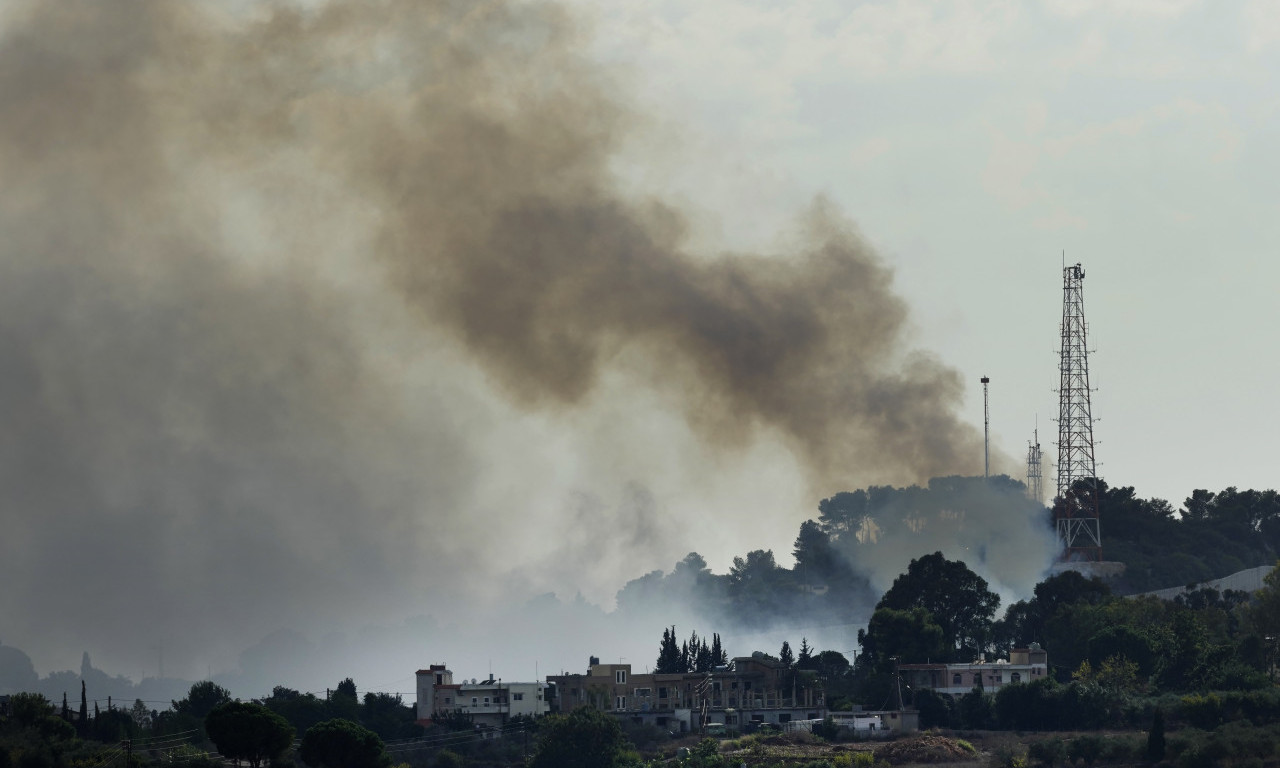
(684, 657)
(785, 655)
(66, 712)
(805, 659)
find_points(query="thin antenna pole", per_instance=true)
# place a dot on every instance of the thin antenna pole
(986, 431)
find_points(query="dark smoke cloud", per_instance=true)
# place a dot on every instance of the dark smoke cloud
(251, 259)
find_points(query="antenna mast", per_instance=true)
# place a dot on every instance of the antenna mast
(1075, 510)
(986, 431)
(1034, 489)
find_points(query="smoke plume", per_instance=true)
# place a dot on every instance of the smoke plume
(305, 308)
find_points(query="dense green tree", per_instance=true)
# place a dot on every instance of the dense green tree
(955, 597)
(387, 715)
(785, 655)
(584, 738)
(201, 699)
(1026, 622)
(343, 701)
(140, 714)
(758, 585)
(817, 560)
(302, 710)
(114, 725)
(341, 743)
(911, 636)
(28, 709)
(831, 665)
(246, 731)
(976, 709)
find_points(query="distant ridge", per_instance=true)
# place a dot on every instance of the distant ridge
(1248, 580)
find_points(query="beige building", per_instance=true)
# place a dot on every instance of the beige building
(754, 688)
(1024, 665)
(489, 703)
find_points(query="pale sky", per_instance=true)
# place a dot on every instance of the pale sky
(976, 142)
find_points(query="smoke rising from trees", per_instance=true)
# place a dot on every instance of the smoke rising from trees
(299, 303)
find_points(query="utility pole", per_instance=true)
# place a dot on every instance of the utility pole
(986, 431)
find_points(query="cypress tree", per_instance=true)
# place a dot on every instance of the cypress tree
(83, 724)
(669, 656)
(718, 656)
(1155, 738)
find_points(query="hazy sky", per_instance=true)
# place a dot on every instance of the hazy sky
(327, 316)
(974, 143)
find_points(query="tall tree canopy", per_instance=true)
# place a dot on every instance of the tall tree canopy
(341, 743)
(201, 699)
(957, 598)
(584, 738)
(246, 731)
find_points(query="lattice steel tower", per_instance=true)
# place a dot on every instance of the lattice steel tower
(1034, 488)
(1075, 510)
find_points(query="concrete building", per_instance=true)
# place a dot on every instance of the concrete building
(754, 689)
(1024, 665)
(489, 703)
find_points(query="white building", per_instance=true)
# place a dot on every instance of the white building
(1024, 665)
(488, 702)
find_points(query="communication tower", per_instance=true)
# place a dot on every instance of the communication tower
(1034, 488)
(1075, 510)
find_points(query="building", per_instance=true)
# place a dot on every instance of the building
(754, 689)
(489, 703)
(1024, 665)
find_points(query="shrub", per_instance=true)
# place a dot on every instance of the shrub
(447, 759)
(1047, 752)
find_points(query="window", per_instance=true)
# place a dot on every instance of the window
(620, 702)
(955, 679)
(439, 679)
(620, 676)
(518, 696)
(486, 701)
(473, 701)
(784, 718)
(644, 692)
(746, 686)
(662, 693)
(448, 700)
(1016, 677)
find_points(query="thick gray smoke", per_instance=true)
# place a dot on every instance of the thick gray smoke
(298, 303)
